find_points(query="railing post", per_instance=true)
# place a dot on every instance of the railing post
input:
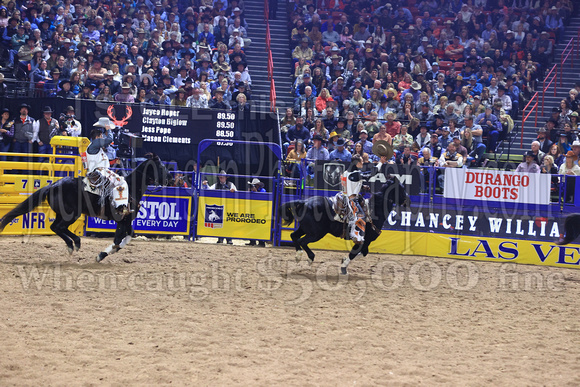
(543, 91)
(522, 132)
(561, 69)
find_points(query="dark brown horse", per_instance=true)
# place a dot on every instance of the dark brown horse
(316, 218)
(69, 200)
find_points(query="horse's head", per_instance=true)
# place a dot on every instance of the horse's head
(395, 192)
(391, 194)
(155, 171)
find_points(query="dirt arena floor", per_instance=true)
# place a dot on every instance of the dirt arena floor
(182, 313)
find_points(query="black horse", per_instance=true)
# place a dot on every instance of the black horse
(69, 199)
(316, 218)
(571, 229)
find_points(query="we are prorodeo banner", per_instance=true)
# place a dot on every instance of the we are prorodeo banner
(501, 186)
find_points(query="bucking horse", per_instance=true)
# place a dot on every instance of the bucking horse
(69, 199)
(316, 219)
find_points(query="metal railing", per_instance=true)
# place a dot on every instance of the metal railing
(570, 52)
(270, 59)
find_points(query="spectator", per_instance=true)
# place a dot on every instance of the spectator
(530, 164)
(382, 135)
(504, 98)
(549, 166)
(545, 143)
(125, 94)
(358, 150)
(69, 123)
(449, 159)
(317, 152)
(340, 153)
(25, 132)
(6, 132)
(570, 167)
(363, 140)
(434, 146)
(197, 99)
(322, 99)
(539, 155)
(405, 157)
(298, 152)
(297, 131)
(402, 139)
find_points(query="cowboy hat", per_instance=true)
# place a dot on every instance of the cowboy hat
(47, 109)
(127, 76)
(254, 181)
(415, 86)
(103, 122)
(382, 148)
(571, 155)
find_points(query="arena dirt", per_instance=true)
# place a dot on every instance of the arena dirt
(182, 313)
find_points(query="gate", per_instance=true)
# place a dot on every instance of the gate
(241, 214)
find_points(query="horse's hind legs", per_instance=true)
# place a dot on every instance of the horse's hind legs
(304, 241)
(60, 228)
(296, 239)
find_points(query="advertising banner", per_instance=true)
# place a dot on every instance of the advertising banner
(37, 222)
(476, 222)
(501, 186)
(465, 247)
(327, 176)
(235, 217)
(158, 214)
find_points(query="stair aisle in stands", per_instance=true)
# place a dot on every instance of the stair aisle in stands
(569, 78)
(258, 58)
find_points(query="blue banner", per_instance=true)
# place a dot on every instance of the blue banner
(158, 214)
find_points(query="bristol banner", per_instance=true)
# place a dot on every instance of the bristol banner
(501, 186)
(158, 214)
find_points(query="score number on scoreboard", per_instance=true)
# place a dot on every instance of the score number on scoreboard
(225, 126)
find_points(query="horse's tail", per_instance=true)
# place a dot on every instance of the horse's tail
(288, 211)
(25, 207)
(571, 229)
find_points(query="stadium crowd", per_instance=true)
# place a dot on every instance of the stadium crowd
(176, 52)
(440, 80)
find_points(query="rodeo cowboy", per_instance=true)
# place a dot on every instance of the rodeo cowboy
(350, 205)
(98, 173)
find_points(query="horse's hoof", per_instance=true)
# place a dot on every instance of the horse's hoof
(70, 250)
(310, 261)
(77, 247)
(102, 255)
(343, 271)
(299, 255)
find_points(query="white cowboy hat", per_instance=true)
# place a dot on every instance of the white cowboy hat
(103, 122)
(254, 181)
